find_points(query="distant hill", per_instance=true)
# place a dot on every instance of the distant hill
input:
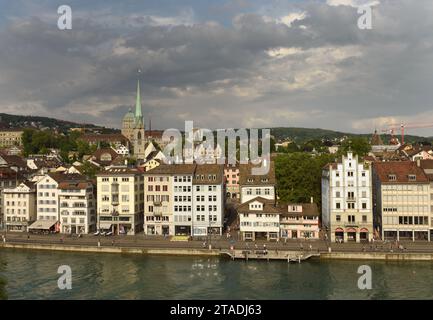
(302, 135)
(36, 122)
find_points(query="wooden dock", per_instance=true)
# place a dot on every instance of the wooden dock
(289, 256)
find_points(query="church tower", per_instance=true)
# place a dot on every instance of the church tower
(133, 127)
(138, 131)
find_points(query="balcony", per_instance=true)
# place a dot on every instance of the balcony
(351, 199)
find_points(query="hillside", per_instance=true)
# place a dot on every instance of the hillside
(302, 135)
(36, 122)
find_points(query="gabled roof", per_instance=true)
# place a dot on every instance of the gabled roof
(268, 206)
(308, 209)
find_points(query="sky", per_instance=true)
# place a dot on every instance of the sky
(221, 64)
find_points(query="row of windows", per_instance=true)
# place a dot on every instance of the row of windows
(267, 215)
(157, 188)
(202, 198)
(47, 186)
(157, 218)
(46, 194)
(124, 179)
(182, 188)
(18, 211)
(73, 220)
(350, 206)
(405, 198)
(182, 208)
(259, 224)
(408, 209)
(202, 208)
(16, 219)
(182, 218)
(18, 203)
(47, 209)
(158, 198)
(405, 220)
(182, 198)
(182, 178)
(202, 218)
(258, 191)
(351, 218)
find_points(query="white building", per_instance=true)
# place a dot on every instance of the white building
(120, 200)
(347, 212)
(253, 186)
(208, 196)
(77, 207)
(259, 219)
(183, 198)
(20, 206)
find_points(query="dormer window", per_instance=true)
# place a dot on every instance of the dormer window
(412, 177)
(265, 180)
(392, 177)
(250, 180)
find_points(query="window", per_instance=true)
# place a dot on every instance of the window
(338, 218)
(364, 205)
(412, 177)
(392, 177)
(338, 205)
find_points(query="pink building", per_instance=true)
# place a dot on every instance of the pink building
(231, 174)
(299, 221)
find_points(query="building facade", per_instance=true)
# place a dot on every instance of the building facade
(299, 221)
(120, 201)
(347, 211)
(20, 207)
(253, 186)
(77, 207)
(259, 219)
(231, 174)
(10, 137)
(402, 201)
(208, 196)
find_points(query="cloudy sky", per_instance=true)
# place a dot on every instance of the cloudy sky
(225, 63)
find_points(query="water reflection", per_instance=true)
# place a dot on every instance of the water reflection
(33, 275)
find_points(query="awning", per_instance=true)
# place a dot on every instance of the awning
(105, 225)
(43, 224)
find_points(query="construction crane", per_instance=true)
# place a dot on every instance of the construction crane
(403, 127)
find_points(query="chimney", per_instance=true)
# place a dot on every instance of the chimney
(418, 162)
(311, 200)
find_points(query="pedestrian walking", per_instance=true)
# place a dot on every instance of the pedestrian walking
(311, 247)
(112, 242)
(99, 243)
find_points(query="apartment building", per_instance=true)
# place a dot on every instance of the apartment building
(253, 186)
(402, 201)
(10, 137)
(183, 199)
(427, 166)
(77, 206)
(47, 207)
(299, 221)
(120, 200)
(347, 211)
(259, 219)
(20, 206)
(158, 202)
(9, 179)
(208, 194)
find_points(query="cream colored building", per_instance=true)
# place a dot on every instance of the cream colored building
(77, 207)
(347, 211)
(402, 201)
(20, 206)
(10, 137)
(120, 200)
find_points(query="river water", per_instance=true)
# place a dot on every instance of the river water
(33, 275)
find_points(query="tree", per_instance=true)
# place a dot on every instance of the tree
(299, 176)
(359, 146)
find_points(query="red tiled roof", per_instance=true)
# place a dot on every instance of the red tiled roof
(401, 170)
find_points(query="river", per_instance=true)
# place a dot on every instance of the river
(27, 274)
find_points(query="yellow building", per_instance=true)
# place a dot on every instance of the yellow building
(11, 137)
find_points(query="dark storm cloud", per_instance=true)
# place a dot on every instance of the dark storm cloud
(307, 66)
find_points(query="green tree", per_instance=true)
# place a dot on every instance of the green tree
(359, 146)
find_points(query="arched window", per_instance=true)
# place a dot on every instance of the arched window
(139, 135)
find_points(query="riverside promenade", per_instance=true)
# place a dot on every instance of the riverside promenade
(220, 246)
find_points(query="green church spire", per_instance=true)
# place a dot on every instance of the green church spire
(138, 114)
